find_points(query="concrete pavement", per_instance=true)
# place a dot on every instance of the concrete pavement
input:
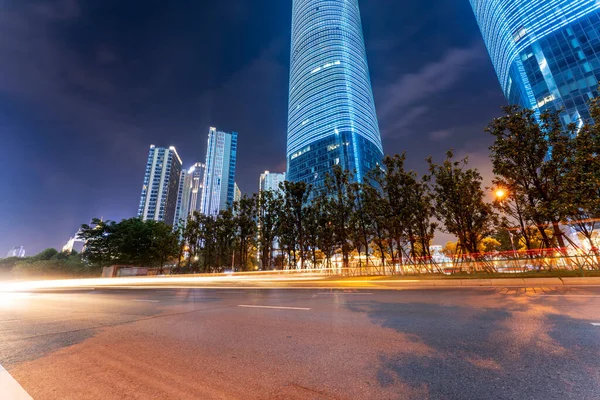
(194, 343)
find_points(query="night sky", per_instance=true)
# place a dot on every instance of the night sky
(87, 85)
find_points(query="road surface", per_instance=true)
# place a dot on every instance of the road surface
(198, 343)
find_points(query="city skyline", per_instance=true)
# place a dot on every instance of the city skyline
(83, 141)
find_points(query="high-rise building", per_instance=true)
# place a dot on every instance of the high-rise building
(197, 174)
(17, 251)
(270, 181)
(331, 116)
(161, 185)
(546, 52)
(183, 198)
(219, 179)
(237, 193)
(190, 192)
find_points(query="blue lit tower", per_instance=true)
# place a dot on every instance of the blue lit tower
(219, 176)
(331, 116)
(546, 52)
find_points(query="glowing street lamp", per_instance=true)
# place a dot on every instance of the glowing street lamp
(501, 195)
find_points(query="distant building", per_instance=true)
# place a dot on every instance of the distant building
(18, 252)
(74, 243)
(183, 198)
(197, 174)
(219, 179)
(237, 193)
(191, 187)
(161, 185)
(270, 181)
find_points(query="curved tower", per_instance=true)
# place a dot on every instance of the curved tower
(546, 52)
(331, 115)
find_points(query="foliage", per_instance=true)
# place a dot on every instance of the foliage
(460, 202)
(129, 242)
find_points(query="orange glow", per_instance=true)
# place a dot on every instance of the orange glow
(500, 193)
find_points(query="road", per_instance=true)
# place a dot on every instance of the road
(199, 343)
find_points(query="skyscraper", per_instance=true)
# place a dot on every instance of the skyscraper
(270, 181)
(546, 52)
(161, 185)
(18, 251)
(219, 179)
(196, 173)
(331, 115)
(237, 193)
(191, 188)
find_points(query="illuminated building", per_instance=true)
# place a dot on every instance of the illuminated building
(270, 181)
(219, 179)
(18, 252)
(237, 193)
(191, 187)
(161, 184)
(546, 52)
(331, 116)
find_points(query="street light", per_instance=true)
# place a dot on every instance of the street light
(501, 195)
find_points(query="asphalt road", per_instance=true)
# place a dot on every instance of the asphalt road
(194, 343)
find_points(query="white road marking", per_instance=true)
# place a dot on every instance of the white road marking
(10, 388)
(275, 307)
(596, 323)
(148, 301)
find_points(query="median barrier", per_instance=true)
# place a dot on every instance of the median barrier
(509, 282)
(447, 282)
(476, 282)
(543, 281)
(584, 281)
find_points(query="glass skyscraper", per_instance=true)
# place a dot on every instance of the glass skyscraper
(546, 52)
(219, 178)
(161, 185)
(331, 117)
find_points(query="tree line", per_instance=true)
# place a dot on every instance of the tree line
(546, 175)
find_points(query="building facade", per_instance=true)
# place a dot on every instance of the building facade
(270, 181)
(237, 193)
(197, 176)
(18, 251)
(546, 52)
(191, 187)
(331, 115)
(161, 185)
(219, 179)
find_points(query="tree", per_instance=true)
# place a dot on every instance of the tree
(296, 195)
(269, 205)
(165, 244)
(342, 201)
(581, 197)
(489, 245)
(245, 219)
(459, 202)
(531, 157)
(131, 241)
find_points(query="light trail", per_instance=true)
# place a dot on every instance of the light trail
(26, 286)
